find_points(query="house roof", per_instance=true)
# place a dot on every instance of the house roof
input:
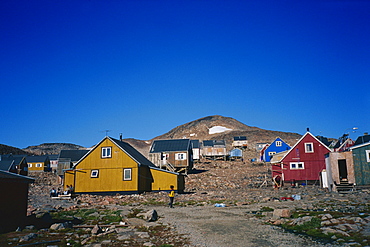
(5, 165)
(131, 151)
(8, 160)
(53, 156)
(170, 145)
(37, 158)
(13, 176)
(362, 139)
(324, 140)
(360, 145)
(195, 143)
(74, 155)
(240, 138)
(212, 143)
(276, 158)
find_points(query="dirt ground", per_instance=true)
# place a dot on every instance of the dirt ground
(230, 226)
(243, 188)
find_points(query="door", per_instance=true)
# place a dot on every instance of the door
(342, 165)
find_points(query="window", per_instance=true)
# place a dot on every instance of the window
(106, 152)
(308, 147)
(367, 155)
(180, 156)
(29, 165)
(272, 153)
(38, 165)
(279, 143)
(94, 173)
(296, 165)
(127, 174)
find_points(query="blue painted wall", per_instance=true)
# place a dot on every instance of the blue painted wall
(275, 148)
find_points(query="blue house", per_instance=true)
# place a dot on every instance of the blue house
(276, 146)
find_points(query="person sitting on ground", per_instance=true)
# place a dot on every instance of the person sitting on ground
(53, 193)
(67, 191)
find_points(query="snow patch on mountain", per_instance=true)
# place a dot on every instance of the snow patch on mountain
(217, 129)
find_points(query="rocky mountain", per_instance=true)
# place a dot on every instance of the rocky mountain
(219, 128)
(51, 148)
(207, 128)
(225, 128)
(4, 149)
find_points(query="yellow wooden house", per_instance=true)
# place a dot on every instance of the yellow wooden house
(38, 163)
(114, 166)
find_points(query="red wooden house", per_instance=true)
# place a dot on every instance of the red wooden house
(303, 162)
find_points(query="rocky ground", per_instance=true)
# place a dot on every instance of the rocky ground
(225, 204)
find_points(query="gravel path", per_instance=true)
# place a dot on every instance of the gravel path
(210, 226)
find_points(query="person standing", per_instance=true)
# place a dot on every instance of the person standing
(171, 195)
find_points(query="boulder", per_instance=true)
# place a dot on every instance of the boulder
(282, 213)
(60, 226)
(28, 237)
(96, 230)
(149, 216)
(301, 220)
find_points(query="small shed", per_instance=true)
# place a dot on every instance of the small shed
(14, 198)
(214, 149)
(339, 170)
(240, 142)
(235, 154)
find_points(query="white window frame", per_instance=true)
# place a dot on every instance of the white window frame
(271, 153)
(29, 165)
(106, 152)
(38, 165)
(306, 145)
(279, 143)
(94, 173)
(296, 165)
(180, 156)
(127, 174)
(367, 155)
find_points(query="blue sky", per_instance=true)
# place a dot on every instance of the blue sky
(70, 70)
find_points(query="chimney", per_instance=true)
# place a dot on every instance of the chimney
(308, 129)
(366, 133)
(120, 136)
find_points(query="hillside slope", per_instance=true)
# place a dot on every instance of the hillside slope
(207, 128)
(5, 149)
(51, 148)
(219, 128)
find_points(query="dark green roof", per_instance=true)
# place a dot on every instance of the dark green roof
(212, 143)
(74, 155)
(37, 158)
(130, 150)
(172, 145)
(362, 139)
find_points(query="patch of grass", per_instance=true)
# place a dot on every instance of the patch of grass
(314, 223)
(111, 216)
(134, 212)
(154, 202)
(266, 209)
